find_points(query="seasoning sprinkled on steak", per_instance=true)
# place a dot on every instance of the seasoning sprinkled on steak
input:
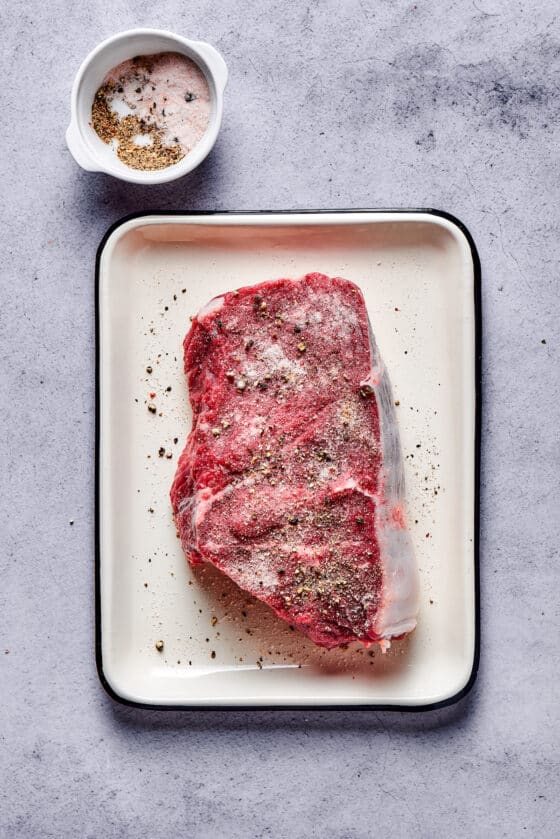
(291, 481)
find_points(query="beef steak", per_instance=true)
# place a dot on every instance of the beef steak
(291, 481)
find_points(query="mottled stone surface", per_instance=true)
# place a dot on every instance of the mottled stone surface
(357, 104)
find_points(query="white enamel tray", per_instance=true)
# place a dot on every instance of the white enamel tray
(420, 276)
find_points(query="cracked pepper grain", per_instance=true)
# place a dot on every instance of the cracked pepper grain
(124, 130)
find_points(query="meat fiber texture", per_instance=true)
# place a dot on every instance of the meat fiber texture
(291, 481)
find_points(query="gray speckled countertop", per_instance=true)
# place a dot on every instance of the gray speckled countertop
(454, 105)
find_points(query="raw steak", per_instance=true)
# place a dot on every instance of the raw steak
(291, 481)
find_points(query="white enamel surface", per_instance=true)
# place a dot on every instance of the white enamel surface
(417, 263)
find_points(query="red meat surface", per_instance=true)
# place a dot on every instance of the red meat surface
(291, 479)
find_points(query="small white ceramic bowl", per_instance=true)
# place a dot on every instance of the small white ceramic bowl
(90, 152)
